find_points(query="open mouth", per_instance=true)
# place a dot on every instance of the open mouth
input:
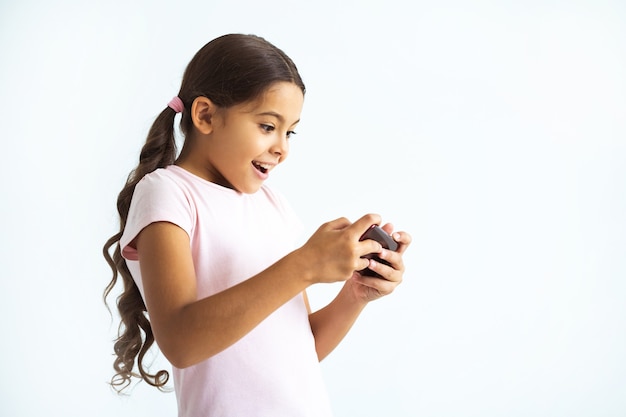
(264, 168)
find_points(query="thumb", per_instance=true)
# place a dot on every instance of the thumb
(360, 226)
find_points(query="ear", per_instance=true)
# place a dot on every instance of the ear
(202, 111)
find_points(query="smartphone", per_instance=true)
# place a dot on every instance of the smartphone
(376, 233)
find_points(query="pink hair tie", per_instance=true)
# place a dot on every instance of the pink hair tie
(176, 104)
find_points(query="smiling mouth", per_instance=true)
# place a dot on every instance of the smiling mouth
(264, 168)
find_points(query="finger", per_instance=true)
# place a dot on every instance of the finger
(361, 264)
(388, 227)
(404, 240)
(392, 272)
(383, 286)
(368, 247)
(361, 225)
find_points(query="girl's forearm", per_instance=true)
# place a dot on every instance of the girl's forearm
(331, 323)
(189, 331)
(215, 323)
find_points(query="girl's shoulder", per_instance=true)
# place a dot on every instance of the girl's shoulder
(175, 177)
(170, 174)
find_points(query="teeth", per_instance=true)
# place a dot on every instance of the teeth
(263, 166)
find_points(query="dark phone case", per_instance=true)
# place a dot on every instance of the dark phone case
(378, 234)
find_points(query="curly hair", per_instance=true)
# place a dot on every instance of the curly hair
(229, 70)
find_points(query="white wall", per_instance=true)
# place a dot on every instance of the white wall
(494, 132)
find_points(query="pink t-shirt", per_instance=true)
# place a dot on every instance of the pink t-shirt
(273, 371)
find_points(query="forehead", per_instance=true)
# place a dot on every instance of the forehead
(283, 98)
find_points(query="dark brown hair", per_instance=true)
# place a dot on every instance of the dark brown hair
(229, 70)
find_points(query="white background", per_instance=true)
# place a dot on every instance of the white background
(493, 132)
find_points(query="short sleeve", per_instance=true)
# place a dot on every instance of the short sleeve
(157, 198)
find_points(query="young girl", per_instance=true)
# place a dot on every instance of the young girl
(207, 252)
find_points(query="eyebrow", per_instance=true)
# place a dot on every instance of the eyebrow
(276, 115)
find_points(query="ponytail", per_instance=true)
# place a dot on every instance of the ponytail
(159, 151)
(229, 70)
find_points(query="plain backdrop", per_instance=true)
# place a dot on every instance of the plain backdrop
(492, 131)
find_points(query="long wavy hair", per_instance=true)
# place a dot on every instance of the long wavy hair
(229, 70)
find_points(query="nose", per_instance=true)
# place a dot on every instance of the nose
(280, 147)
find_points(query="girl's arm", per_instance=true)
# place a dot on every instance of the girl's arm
(188, 330)
(332, 323)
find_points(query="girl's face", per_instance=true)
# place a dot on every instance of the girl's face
(248, 140)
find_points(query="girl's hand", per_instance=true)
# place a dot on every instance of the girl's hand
(366, 288)
(334, 251)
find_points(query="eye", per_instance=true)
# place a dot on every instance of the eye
(290, 133)
(267, 128)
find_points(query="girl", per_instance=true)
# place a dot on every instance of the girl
(206, 251)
